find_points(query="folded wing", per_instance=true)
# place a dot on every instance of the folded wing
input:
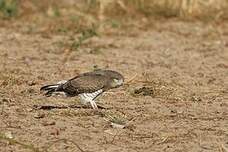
(85, 84)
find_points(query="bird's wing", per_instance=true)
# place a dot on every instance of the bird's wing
(85, 84)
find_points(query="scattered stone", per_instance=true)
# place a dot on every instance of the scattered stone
(131, 127)
(144, 91)
(115, 125)
(28, 91)
(29, 109)
(196, 99)
(222, 65)
(48, 123)
(8, 134)
(31, 83)
(5, 100)
(39, 115)
(54, 131)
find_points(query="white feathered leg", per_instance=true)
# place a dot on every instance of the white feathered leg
(90, 98)
(94, 105)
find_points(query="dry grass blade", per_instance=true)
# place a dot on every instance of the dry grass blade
(13, 141)
(65, 141)
(131, 79)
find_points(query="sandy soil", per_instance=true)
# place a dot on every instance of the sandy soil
(176, 101)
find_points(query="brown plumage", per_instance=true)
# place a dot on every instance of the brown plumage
(87, 85)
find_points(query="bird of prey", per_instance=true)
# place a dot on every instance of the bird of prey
(88, 86)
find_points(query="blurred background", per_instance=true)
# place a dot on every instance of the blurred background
(74, 15)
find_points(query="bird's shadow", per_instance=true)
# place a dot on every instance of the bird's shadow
(50, 107)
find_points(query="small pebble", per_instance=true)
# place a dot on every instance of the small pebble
(48, 123)
(31, 83)
(5, 100)
(54, 131)
(29, 109)
(115, 125)
(9, 135)
(39, 115)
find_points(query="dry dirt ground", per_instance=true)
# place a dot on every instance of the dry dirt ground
(175, 98)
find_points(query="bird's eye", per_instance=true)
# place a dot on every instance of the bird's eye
(115, 80)
(118, 82)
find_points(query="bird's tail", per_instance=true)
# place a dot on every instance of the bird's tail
(52, 88)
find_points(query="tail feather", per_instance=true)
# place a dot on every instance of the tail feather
(50, 89)
(53, 88)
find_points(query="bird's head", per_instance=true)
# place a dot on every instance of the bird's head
(116, 82)
(115, 78)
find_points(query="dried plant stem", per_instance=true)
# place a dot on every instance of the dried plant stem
(13, 141)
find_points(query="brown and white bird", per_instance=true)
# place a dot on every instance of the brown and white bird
(88, 86)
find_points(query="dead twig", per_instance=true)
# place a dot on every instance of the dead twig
(65, 141)
(13, 141)
(131, 79)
